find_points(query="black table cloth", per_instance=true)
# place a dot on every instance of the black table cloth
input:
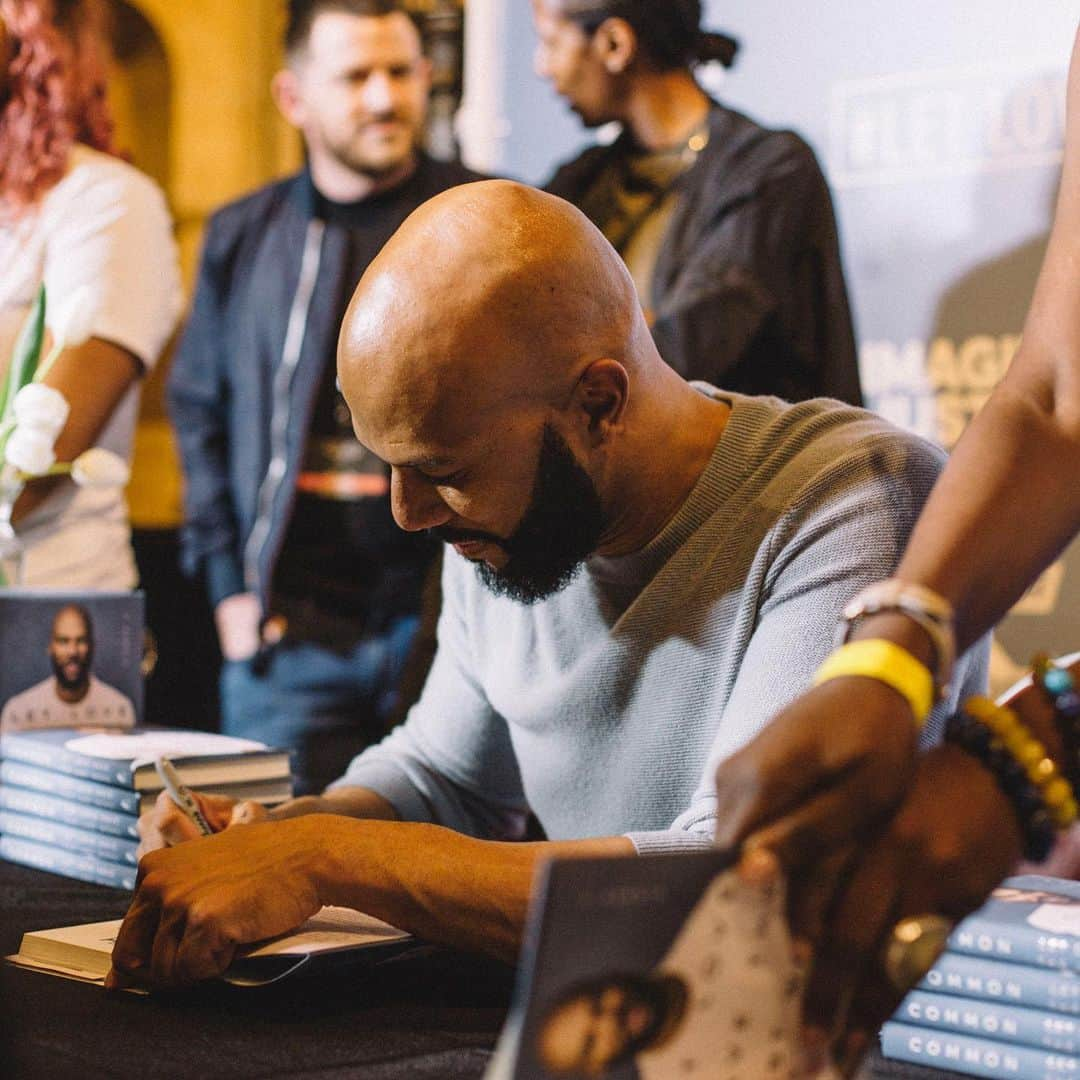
(432, 1016)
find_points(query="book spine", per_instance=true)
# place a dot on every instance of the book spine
(69, 787)
(42, 831)
(971, 1056)
(979, 935)
(66, 863)
(48, 755)
(989, 1020)
(54, 808)
(1015, 984)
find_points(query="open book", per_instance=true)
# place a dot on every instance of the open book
(333, 936)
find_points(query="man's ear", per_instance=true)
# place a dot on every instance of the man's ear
(616, 44)
(285, 90)
(601, 396)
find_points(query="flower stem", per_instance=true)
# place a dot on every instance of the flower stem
(47, 363)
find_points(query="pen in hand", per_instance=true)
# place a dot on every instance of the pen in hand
(180, 795)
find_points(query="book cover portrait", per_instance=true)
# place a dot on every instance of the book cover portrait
(70, 659)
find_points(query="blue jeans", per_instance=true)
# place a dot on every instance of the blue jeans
(322, 706)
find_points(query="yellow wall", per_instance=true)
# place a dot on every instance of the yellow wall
(191, 95)
(212, 107)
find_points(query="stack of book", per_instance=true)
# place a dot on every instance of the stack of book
(1004, 998)
(70, 799)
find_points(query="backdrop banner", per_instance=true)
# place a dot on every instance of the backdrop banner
(940, 128)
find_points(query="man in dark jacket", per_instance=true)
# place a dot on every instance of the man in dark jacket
(727, 227)
(315, 590)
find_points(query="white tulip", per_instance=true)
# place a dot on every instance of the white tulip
(42, 408)
(30, 450)
(100, 468)
(71, 319)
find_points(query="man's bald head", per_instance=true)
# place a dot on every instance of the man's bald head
(490, 295)
(496, 357)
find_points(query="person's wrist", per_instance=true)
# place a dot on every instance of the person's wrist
(917, 604)
(329, 867)
(900, 629)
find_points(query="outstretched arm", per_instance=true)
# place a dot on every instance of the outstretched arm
(1007, 503)
(196, 903)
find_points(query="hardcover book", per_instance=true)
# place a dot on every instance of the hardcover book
(1038, 1028)
(333, 937)
(64, 799)
(973, 1056)
(52, 807)
(995, 980)
(72, 864)
(69, 837)
(125, 759)
(70, 659)
(652, 967)
(1027, 920)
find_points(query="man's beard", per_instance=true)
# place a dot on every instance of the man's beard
(560, 529)
(364, 164)
(81, 678)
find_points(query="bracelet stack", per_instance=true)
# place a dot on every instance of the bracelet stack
(1060, 689)
(1043, 799)
(923, 606)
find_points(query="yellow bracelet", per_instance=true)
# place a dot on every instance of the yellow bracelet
(1056, 791)
(876, 658)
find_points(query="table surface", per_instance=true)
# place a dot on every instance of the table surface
(423, 1017)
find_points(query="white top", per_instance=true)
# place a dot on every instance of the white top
(104, 225)
(42, 707)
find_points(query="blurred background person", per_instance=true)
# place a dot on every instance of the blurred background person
(316, 591)
(727, 227)
(97, 233)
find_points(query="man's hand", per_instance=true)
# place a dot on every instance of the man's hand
(196, 903)
(237, 618)
(166, 824)
(953, 839)
(827, 770)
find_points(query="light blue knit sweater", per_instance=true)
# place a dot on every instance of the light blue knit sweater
(606, 708)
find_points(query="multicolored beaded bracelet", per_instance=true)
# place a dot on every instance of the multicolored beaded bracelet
(1059, 687)
(1043, 799)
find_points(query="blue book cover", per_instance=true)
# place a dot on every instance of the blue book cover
(996, 980)
(973, 1056)
(67, 863)
(67, 812)
(1027, 920)
(69, 837)
(1002, 1022)
(70, 659)
(90, 792)
(126, 758)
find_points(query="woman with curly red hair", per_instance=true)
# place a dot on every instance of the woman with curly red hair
(97, 233)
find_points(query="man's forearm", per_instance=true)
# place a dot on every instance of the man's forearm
(357, 802)
(440, 885)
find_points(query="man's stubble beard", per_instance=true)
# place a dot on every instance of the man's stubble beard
(362, 165)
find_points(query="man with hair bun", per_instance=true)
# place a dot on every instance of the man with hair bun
(726, 226)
